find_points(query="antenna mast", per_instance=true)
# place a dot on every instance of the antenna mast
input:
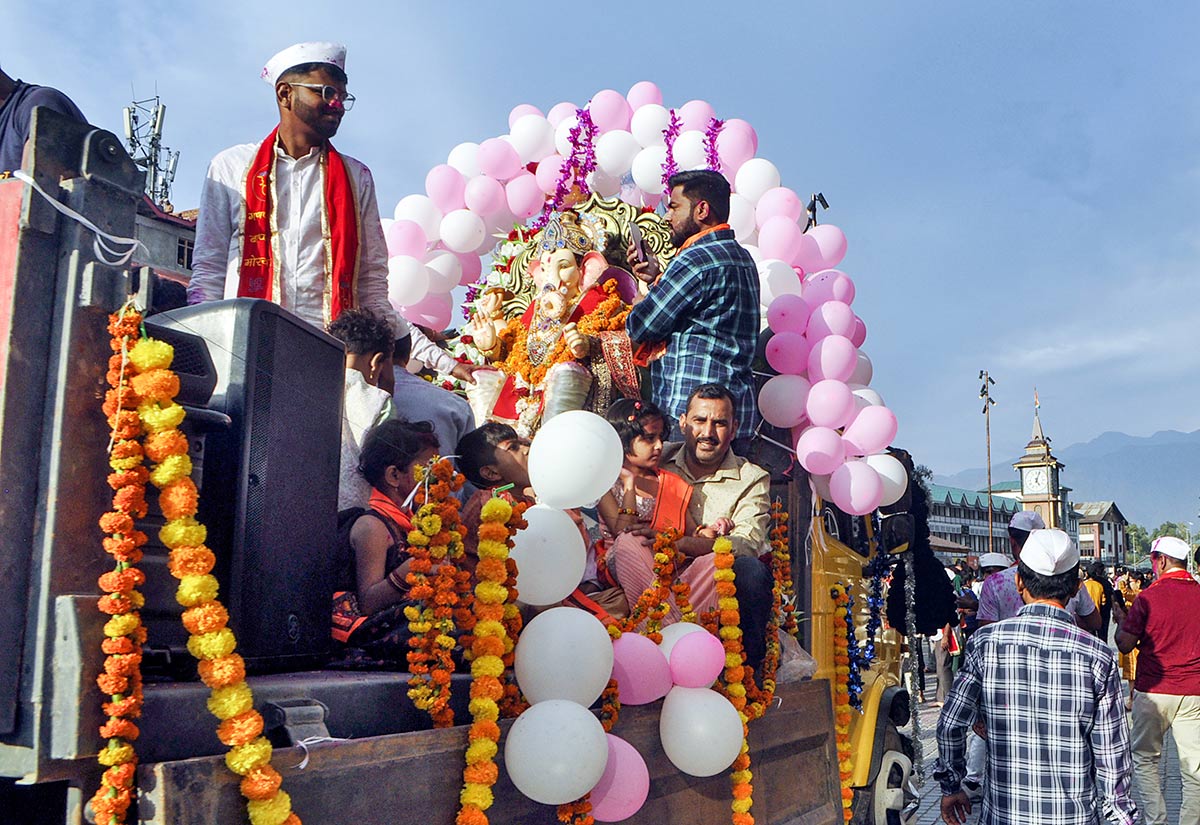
(143, 135)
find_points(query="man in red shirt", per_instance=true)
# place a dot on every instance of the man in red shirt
(1161, 624)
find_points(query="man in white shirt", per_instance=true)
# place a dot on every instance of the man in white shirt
(416, 399)
(292, 220)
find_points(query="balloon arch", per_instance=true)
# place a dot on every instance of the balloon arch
(613, 156)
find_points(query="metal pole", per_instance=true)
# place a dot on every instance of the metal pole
(986, 395)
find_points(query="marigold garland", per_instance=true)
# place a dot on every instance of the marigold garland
(736, 675)
(440, 588)
(579, 812)
(491, 643)
(146, 366)
(653, 604)
(841, 702)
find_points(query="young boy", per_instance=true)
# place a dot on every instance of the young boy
(368, 399)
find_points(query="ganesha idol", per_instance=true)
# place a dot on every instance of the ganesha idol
(568, 350)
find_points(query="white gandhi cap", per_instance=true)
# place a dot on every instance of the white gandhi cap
(1049, 552)
(1171, 546)
(332, 53)
(1027, 520)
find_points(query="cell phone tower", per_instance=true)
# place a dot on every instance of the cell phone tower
(143, 135)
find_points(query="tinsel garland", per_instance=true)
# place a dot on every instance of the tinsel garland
(211, 641)
(910, 618)
(855, 661)
(576, 166)
(710, 143)
(875, 571)
(841, 702)
(670, 135)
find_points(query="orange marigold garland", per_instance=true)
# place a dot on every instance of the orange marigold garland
(841, 702)
(733, 682)
(124, 633)
(653, 604)
(190, 561)
(439, 587)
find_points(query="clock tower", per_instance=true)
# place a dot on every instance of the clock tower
(1039, 471)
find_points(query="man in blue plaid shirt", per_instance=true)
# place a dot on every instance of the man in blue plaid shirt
(1048, 695)
(705, 307)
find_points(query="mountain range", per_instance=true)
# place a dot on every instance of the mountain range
(1151, 478)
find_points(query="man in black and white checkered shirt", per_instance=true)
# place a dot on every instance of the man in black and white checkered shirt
(1049, 696)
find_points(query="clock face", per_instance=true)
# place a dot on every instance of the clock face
(1036, 480)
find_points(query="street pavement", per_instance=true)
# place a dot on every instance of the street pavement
(929, 812)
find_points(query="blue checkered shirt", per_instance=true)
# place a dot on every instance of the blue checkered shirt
(1057, 738)
(705, 306)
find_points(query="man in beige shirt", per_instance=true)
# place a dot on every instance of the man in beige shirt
(724, 487)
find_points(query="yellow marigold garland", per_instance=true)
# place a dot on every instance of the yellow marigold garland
(124, 632)
(653, 604)
(841, 702)
(440, 589)
(211, 641)
(733, 682)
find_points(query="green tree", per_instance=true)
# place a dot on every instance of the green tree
(1171, 528)
(1139, 541)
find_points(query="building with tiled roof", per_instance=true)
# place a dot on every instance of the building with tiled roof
(1103, 532)
(960, 517)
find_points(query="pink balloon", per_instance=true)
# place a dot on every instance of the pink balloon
(696, 114)
(406, 238)
(778, 201)
(697, 660)
(644, 92)
(787, 353)
(832, 243)
(734, 148)
(780, 237)
(432, 311)
(820, 450)
(855, 488)
(520, 110)
(498, 159)
(859, 335)
(560, 112)
(548, 173)
(830, 404)
(829, 285)
(872, 430)
(809, 255)
(788, 313)
(610, 110)
(641, 670)
(625, 783)
(782, 400)
(650, 199)
(484, 196)
(472, 268)
(737, 125)
(832, 357)
(524, 195)
(831, 318)
(445, 186)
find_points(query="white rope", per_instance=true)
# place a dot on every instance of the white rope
(312, 740)
(105, 246)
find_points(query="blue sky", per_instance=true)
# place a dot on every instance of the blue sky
(1019, 182)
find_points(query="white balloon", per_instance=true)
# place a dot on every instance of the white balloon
(647, 169)
(868, 395)
(648, 124)
(672, 633)
(445, 270)
(550, 556)
(422, 211)
(563, 653)
(892, 474)
(562, 136)
(575, 458)
(615, 152)
(777, 278)
(462, 231)
(408, 280)
(689, 152)
(533, 137)
(604, 184)
(863, 371)
(741, 216)
(465, 158)
(755, 178)
(754, 251)
(555, 752)
(700, 730)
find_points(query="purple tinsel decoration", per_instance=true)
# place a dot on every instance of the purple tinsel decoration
(586, 150)
(715, 126)
(670, 135)
(576, 166)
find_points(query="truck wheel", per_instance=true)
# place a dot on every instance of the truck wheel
(892, 798)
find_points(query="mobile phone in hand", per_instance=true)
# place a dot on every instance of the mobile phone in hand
(635, 236)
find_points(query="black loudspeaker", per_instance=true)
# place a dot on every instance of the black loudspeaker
(268, 481)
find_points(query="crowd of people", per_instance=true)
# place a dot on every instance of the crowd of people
(1038, 722)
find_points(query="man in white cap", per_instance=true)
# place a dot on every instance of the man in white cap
(1162, 625)
(1049, 695)
(1000, 599)
(294, 221)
